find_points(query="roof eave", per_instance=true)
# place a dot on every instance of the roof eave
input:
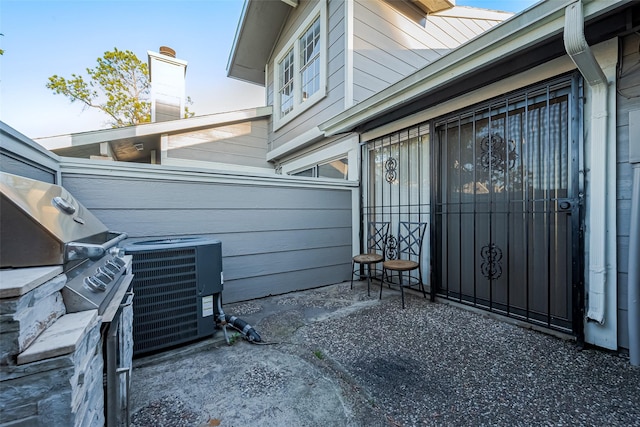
(257, 32)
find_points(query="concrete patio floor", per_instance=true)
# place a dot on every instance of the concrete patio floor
(335, 357)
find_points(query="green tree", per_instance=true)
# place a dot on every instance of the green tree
(118, 86)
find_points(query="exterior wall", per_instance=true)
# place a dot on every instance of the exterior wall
(628, 99)
(279, 234)
(388, 45)
(333, 102)
(371, 44)
(21, 156)
(243, 143)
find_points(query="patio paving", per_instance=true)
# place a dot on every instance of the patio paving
(335, 357)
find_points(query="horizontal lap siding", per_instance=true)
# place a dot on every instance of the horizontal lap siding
(239, 144)
(275, 238)
(389, 46)
(627, 100)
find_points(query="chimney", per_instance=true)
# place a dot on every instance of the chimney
(167, 77)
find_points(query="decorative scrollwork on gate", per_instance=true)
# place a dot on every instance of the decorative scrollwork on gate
(497, 153)
(491, 256)
(390, 167)
(391, 248)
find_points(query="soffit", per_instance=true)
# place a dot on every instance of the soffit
(257, 33)
(431, 6)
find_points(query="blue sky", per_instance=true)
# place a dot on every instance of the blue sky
(43, 38)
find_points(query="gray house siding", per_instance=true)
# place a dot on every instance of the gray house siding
(388, 45)
(278, 234)
(242, 143)
(19, 155)
(333, 102)
(627, 100)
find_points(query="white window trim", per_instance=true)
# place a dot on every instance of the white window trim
(348, 147)
(299, 105)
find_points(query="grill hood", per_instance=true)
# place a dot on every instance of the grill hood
(43, 224)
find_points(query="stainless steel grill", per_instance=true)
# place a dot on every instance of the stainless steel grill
(43, 224)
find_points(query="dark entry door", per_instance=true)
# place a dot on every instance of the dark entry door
(507, 206)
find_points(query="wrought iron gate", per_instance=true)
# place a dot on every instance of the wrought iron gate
(396, 182)
(507, 206)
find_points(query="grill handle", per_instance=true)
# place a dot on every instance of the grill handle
(79, 250)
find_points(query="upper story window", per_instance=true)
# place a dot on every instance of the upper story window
(300, 68)
(310, 61)
(286, 84)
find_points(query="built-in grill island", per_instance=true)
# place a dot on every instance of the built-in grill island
(65, 289)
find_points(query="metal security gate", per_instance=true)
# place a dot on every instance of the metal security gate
(507, 211)
(395, 172)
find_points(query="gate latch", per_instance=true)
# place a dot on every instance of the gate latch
(564, 205)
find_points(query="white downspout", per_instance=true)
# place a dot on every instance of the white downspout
(633, 278)
(581, 54)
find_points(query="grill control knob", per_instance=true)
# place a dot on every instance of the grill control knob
(94, 284)
(119, 262)
(112, 266)
(103, 278)
(107, 272)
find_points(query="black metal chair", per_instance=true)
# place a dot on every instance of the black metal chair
(376, 243)
(409, 254)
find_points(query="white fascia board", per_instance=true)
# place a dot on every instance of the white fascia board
(473, 13)
(301, 141)
(178, 173)
(236, 38)
(157, 128)
(216, 166)
(518, 33)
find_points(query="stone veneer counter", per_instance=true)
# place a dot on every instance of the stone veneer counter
(15, 282)
(52, 365)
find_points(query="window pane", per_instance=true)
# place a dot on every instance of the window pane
(310, 60)
(285, 68)
(306, 172)
(336, 169)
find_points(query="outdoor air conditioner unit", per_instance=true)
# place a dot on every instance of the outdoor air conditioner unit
(175, 284)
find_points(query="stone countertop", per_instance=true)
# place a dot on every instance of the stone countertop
(60, 338)
(15, 282)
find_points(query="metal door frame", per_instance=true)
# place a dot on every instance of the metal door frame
(576, 182)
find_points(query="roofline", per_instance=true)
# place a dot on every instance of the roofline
(257, 32)
(157, 128)
(538, 23)
(236, 37)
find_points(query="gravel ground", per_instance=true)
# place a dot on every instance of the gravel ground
(338, 358)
